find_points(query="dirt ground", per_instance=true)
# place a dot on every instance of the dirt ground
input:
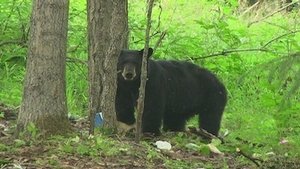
(45, 154)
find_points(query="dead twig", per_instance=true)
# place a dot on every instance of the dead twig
(13, 42)
(273, 13)
(171, 154)
(152, 35)
(226, 52)
(263, 48)
(116, 165)
(280, 36)
(203, 133)
(156, 30)
(75, 48)
(253, 159)
(159, 16)
(250, 8)
(76, 60)
(162, 36)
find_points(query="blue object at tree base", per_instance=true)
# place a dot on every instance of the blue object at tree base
(98, 119)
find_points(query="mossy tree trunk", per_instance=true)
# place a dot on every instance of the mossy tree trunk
(44, 98)
(107, 35)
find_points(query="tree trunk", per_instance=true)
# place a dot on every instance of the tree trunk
(142, 92)
(107, 35)
(44, 98)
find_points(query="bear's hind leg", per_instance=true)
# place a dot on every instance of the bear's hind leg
(174, 122)
(151, 123)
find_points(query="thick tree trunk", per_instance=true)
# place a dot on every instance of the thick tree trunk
(107, 35)
(44, 98)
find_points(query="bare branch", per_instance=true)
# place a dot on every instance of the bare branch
(162, 36)
(152, 35)
(254, 160)
(280, 36)
(159, 16)
(250, 8)
(271, 14)
(276, 25)
(156, 30)
(263, 48)
(12, 42)
(76, 60)
(204, 134)
(140, 101)
(226, 52)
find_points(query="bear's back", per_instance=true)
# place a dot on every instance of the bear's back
(187, 82)
(185, 70)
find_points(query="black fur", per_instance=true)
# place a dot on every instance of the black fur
(175, 92)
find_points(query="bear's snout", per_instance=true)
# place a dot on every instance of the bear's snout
(129, 72)
(128, 75)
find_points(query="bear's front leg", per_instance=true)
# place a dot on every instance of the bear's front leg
(125, 107)
(153, 111)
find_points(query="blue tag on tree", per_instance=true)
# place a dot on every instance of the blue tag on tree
(98, 119)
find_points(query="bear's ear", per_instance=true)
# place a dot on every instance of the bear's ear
(150, 52)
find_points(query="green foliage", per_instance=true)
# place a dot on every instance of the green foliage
(19, 143)
(3, 147)
(77, 50)
(13, 36)
(93, 146)
(29, 135)
(152, 154)
(32, 129)
(3, 162)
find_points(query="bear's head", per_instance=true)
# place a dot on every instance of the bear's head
(130, 62)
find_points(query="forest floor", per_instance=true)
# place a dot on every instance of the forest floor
(42, 156)
(82, 151)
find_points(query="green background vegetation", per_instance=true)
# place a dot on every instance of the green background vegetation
(263, 107)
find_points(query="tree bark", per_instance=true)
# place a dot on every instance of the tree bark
(44, 100)
(141, 98)
(107, 35)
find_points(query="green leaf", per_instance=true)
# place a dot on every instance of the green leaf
(67, 148)
(19, 143)
(1, 114)
(32, 129)
(216, 142)
(204, 150)
(75, 139)
(83, 149)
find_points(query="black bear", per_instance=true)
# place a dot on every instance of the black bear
(175, 92)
